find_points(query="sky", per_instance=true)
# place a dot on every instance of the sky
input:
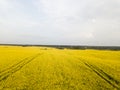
(60, 22)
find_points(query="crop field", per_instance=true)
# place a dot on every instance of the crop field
(42, 68)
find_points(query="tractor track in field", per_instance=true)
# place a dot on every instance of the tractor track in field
(109, 79)
(4, 74)
(105, 76)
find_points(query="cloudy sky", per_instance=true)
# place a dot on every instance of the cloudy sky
(74, 22)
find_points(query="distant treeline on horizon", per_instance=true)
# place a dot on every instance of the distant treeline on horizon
(83, 47)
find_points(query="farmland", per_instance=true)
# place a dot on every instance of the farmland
(42, 68)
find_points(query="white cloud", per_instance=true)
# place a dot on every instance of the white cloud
(92, 22)
(58, 8)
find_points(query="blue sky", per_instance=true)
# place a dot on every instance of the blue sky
(74, 22)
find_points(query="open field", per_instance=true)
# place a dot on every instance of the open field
(41, 68)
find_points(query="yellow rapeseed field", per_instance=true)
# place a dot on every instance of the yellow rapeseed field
(42, 68)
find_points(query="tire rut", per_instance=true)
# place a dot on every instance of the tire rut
(109, 79)
(4, 74)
